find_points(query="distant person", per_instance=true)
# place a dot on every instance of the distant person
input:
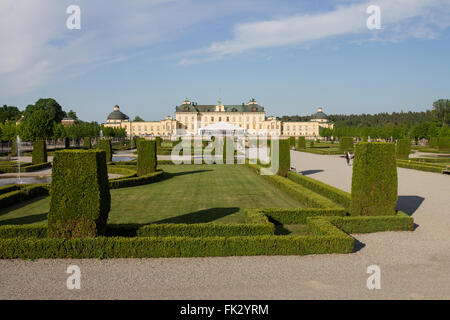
(347, 157)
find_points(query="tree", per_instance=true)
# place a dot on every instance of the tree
(138, 119)
(52, 109)
(72, 114)
(441, 110)
(9, 113)
(37, 125)
(8, 131)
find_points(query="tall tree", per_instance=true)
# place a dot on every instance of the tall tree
(441, 110)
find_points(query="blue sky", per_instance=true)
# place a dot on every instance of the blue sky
(292, 56)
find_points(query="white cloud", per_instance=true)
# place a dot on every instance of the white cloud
(400, 19)
(38, 48)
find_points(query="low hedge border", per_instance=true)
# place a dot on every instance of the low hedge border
(419, 166)
(23, 193)
(296, 215)
(322, 151)
(337, 195)
(304, 195)
(27, 168)
(136, 181)
(367, 224)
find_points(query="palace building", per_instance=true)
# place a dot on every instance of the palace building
(192, 119)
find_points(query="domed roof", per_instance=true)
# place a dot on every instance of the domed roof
(117, 114)
(319, 114)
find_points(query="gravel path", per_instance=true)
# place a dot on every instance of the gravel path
(414, 265)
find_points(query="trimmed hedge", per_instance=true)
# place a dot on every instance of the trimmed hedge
(291, 142)
(433, 143)
(66, 143)
(374, 179)
(284, 158)
(367, 224)
(146, 162)
(337, 195)
(79, 196)
(105, 145)
(300, 144)
(294, 215)
(39, 154)
(205, 230)
(22, 193)
(346, 144)
(403, 148)
(419, 166)
(303, 195)
(444, 143)
(137, 181)
(158, 141)
(155, 247)
(87, 143)
(27, 168)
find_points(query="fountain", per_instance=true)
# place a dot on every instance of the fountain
(101, 134)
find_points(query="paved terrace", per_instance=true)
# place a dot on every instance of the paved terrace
(414, 265)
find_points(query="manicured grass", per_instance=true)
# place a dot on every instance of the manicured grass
(191, 194)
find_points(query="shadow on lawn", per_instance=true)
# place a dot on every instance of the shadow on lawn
(201, 216)
(25, 220)
(20, 205)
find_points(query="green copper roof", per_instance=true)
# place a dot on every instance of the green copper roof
(212, 108)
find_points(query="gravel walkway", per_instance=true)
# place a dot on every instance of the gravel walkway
(414, 265)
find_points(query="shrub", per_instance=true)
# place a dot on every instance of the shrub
(374, 179)
(79, 196)
(419, 166)
(337, 195)
(346, 144)
(66, 143)
(311, 143)
(433, 143)
(444, 143)
(284, 158)
(146, 157)
(87, 144)
(291, 142)
(300, 143)
(105, 145)
(39, 154)
(136, 181)
(22, 193)
(403, 148)
(158, 141)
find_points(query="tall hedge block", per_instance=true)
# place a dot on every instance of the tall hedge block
(403, 148)
(146, 162)
(433, 142)
(291, 142)
(39, 154)
(300, 144)
(444, 143)
(158, 142)
(79, 194)
(105, 145)
(374, 180)
(87, 143)
(284, 157)
(346, 144)
(66, 143)
(14, 147)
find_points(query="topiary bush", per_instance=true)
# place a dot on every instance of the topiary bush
(146, 157)
(284, 158)
(79, 194)
(39, 154)
(105, 145)
(300, 144)
(346, 144)
(433, 143)
(158, 142)
(87, 144)
(66, 143)
(291, 142)
(374, 179)
(403, 148)
(444, 143)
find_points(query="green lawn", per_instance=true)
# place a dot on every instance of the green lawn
(193, 194)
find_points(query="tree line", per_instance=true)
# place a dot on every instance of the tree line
(42, 120)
